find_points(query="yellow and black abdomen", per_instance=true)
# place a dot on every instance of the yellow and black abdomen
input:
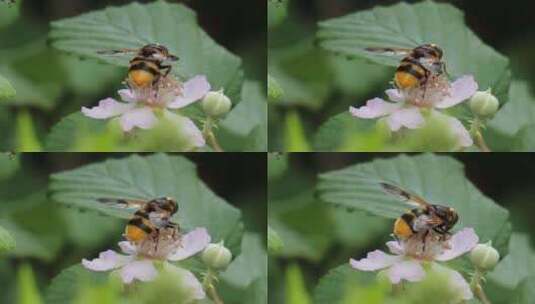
(409, 74)
(403, 226)
(143, 73)
(138, 229)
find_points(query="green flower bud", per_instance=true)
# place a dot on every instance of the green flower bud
(484, 104)
(484, 256)
(215, 104)
(216, 256)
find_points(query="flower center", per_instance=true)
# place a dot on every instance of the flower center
(435, 89)
(160, 245)
(425, 245)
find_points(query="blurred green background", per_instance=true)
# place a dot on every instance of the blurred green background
(51, 84)
(318, 237)
(316, 85)
(50, 237)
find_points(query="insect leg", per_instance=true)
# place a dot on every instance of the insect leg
(167, 69)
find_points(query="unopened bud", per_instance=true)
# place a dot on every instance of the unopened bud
(484, 256)
(483, 103)
(216, 104)
(216, 256)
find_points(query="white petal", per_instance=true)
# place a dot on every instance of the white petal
(107, 108)
(192, 133)
(461, 89)
(191, 243)
(460, 243)
(188, 283)
(127, 95)
(395, 247)
(374, 108)
(143, 118)
(407, 117)
(456, 282)
(106, 260)
(127, 247)
(375, 260)
(463, 136)
(409, 270)
(395, 95)
(142, 270)
(192, 90)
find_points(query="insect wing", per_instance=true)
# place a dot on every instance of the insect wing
(123, 203)
(405, 196)
(117, 52)
(388, 51)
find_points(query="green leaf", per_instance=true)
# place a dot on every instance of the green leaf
(525, 293)
(277, 164)
(277, 12)
(9, 164)
(517, 265)
(6, 89)
(336, 282)
(275, 91)
(28, 293)
(28, 244)
(294, 133)
(9, 12)
(295, 290)
(439, 179)
(344, 132)
(274, 241)
(7, 242)
(26, 135)
(135, 25)
(247, 118)
(149, 177)
(249, 266)
(517, 113)
(409, 25)
(66, 285)
(76, 132)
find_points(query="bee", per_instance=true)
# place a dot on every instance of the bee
(149, 218)
(147, 67)
(424, 218)
(417, 66)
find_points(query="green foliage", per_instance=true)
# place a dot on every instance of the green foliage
(296, 292)
(149, 177)
(245, 127)
(275, 92)
(7, 242)
(9, 164)
(341, 280)
(406, 26)
(134, 25)
(27, 287)
(66, 285)
(274, 241)
(294, 135)
(248, 271)
(343, 132)
(277, 12)
(516, 114)
(517, 265)
(277, 164)
(430, 176)
(27, 138)
(6, 89)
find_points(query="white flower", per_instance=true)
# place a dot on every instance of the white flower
(139, 106)
(406, 106)
(409, 255)
(138, 263)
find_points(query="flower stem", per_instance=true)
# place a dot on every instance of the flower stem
(209, 287)
(475, 284)
(209, 134)
(475, 131)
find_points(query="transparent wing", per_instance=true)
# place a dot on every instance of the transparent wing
(389, 51)
(123, 203)
(405, 196)
(118, 52)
